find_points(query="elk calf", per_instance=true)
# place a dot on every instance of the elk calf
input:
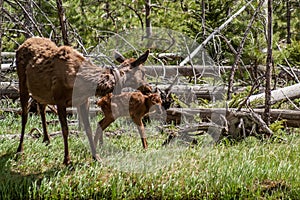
(133, 104)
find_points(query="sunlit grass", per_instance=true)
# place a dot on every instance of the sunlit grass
(250, 169)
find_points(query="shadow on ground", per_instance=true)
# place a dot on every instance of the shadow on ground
(14, 185)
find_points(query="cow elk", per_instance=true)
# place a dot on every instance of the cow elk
(61, 76)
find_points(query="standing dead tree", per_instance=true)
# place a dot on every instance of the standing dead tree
(63, 22)
(269, 66)
(1, 30)
(240, 50)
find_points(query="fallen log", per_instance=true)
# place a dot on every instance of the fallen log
(200, 91)
(168, 71)
(8, 54)
(282, 94)
(9, 90)
(291, 117)
(175, 115)
(236, 125)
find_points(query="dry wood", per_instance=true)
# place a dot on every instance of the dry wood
(282, 94)
(8, 54)
(291, 117)
(174, 70)
(9, 90)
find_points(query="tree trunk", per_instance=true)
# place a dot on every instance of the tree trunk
(29, 18)
(288, 21)
(63, 22)
(1, 30)
(240, 50)
(203, 19)
(148, 19)
(269, 65)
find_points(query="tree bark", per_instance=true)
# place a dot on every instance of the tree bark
(291, 117)
(288, 21)
(203, 19)
(240, 50)
(29, 18)
(269, 65)
(148, 18)
(1, 30)
(281, 94)
(63, 22)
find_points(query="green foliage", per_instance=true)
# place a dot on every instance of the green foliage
(91, 22)
(293, 53)
(277, 126)
(238, 98)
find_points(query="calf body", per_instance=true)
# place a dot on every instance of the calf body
(133, 104)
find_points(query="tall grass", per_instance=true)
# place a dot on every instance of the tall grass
(250, 169)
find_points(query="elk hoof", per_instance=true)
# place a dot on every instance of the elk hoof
(67, 161)
(97, 158)
(46, 141)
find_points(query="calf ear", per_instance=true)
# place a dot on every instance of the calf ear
(142, 59)
(119, 57)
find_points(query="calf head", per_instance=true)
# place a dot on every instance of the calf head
(153, 101)
(131, 70)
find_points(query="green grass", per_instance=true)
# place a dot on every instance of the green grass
(250, 169)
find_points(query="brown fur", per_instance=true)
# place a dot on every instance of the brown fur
(61, 76)
(133, 104)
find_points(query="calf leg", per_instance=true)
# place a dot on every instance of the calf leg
(62, 114)
(42, 108)
(141, 130)
(83, 110)
(102, 125)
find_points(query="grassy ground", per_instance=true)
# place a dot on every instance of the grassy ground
(250, 169)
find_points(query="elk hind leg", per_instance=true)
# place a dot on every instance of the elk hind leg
(24, 98)
(42, 108)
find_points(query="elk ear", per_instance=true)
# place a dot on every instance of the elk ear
(119, 57)
(142, 59)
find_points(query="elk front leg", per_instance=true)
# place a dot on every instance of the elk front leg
(62, 115)
(83, 110)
